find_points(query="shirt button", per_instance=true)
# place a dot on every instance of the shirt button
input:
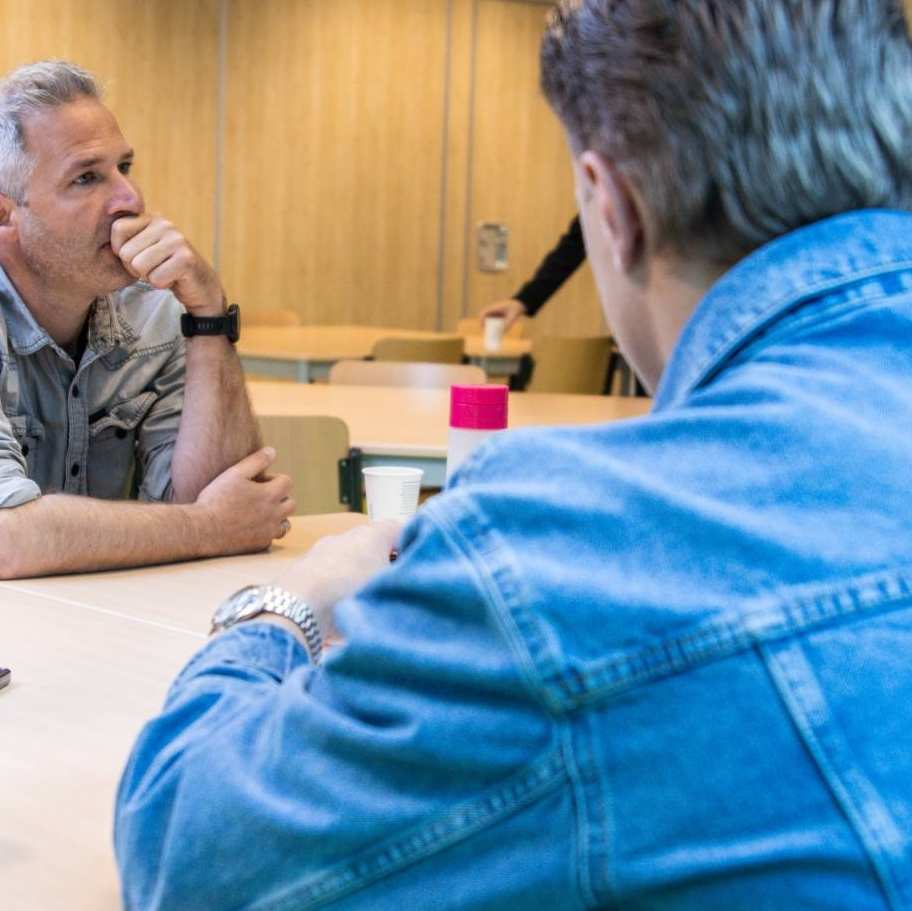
(75, 392)
(25, 450)
(120, 433)
(74, 471)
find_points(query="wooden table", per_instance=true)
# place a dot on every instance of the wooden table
(409, 426)
(92, 657)
(305, 353)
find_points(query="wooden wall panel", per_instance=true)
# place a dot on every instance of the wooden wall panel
(333, 158)
(521, 169)
(462, 30)
(158, 63)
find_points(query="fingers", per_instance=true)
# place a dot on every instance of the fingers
(125, 228)
(162, 262)
(256, 463)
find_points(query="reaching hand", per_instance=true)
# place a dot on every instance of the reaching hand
(511, 310)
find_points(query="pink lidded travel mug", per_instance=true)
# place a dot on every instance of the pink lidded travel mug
(475, 413)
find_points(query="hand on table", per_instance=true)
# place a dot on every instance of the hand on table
(152, 249)
(245, 508)
(511, 310)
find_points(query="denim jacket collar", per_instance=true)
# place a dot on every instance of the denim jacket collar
(776, 278)
(107, 328)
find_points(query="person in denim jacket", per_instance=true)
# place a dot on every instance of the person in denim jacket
(656, 664)
(101, 398)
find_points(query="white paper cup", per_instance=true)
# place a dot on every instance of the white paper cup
(493, 332)
(392, 491)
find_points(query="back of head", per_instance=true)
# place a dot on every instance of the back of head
(738, 120)
(27, 90)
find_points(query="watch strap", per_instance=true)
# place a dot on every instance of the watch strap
(228, 324)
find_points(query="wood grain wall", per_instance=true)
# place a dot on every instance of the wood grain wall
(363, 142)
(520, 173)
(158, 63)
(334, 158)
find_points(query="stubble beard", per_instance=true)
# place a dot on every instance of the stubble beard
(72, 262)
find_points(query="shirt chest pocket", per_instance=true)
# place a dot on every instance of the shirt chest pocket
(112, 449)
(29, 434)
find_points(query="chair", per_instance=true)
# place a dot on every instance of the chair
(405, 373)
(621, 380)
(471, 325)
(316, 453)
(442, 350)
(577, 365)
(276, 316)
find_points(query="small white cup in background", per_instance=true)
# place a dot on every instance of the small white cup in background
(392, 491)
(493, 332)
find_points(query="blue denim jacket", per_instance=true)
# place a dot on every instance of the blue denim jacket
(661, 663)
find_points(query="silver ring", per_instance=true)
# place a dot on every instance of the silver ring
(285, 527)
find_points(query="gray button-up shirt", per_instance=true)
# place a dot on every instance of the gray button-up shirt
(104, 427)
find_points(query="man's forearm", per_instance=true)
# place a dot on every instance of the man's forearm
(60, 534)
(217, 427)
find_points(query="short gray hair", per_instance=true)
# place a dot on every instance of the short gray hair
(25, 91)
(738, 120)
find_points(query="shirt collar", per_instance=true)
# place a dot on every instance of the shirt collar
(107, 328)
(776, 278)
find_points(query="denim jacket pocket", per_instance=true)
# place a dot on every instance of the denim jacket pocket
(112, 449)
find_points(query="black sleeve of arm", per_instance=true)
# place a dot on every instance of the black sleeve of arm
(554, 270)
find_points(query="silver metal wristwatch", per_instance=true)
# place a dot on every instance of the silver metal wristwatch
(254, 600)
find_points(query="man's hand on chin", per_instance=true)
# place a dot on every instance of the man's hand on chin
(152, 249)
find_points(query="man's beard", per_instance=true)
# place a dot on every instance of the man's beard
(71, 261)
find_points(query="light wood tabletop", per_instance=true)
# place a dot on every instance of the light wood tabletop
(92, 657)
(306, 353)
(409, 425)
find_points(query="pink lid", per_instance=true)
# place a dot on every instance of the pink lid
(478, 407)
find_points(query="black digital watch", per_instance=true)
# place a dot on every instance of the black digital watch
(229, 324)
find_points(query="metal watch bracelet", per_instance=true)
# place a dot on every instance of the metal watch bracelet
(250, 602)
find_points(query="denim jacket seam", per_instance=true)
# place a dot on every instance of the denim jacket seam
(425, 839)
(513, 619)
(583, 828)
(724, 637)
(752, 321)
(871, 835)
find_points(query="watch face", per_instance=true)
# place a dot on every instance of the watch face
(242, 604)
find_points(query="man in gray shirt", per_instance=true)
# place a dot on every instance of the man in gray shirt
(101, 397)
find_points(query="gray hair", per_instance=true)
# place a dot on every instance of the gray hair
(738, 120)
(25, 91)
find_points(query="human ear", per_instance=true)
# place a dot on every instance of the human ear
(616, 210)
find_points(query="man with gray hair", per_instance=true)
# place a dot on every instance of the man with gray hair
(662, 663)
(101, 398)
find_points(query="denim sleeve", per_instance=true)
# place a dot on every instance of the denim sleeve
(16, 488)
(414, 762)
(158, 431)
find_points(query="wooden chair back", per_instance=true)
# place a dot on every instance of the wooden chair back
(443, 350)
(405, 373)
(575, 365)
(309, 449)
